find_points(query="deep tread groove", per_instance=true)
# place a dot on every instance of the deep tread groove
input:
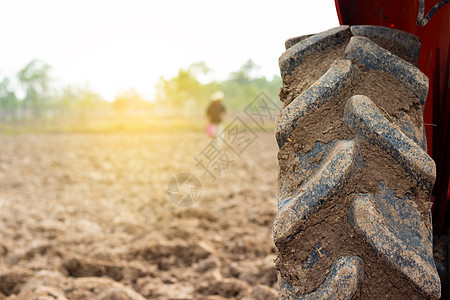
(338, 77)
(407, 255)
(325, 183)
(374, 57)
(363, 115)
(346, 271)
(408, 41)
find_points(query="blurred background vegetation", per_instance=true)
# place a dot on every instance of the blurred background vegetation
(29, 101)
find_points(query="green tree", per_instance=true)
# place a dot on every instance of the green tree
(246, 72)
(35, 80)
(244, 85)
(185, 87)
(129, 100)
(66, 102)
(86, 101)
(241, 87)
(8, 101)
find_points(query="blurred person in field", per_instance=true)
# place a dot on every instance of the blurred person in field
(215, 114)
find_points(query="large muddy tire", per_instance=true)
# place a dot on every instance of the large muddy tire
(354, 177)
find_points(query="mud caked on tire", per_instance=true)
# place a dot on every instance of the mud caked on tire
(354, 177)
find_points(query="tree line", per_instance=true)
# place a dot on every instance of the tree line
(31, 97)
(241, 87)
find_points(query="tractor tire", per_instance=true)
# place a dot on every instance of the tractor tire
(354, 178)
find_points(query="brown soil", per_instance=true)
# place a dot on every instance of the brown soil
(88, 217)
(389, 94)
(329, 225)
(395, 48)
(313, 67)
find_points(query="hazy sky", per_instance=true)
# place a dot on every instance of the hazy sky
(116, 45)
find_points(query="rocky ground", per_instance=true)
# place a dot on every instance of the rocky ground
(87, 216)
